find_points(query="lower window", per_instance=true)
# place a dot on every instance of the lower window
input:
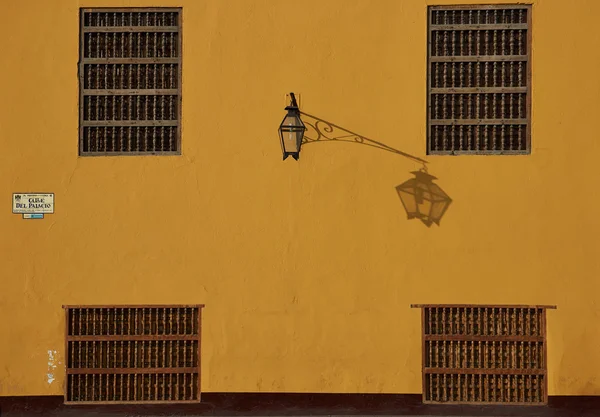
(484, 354)
(133, 354)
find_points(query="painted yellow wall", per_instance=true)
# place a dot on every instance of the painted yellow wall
(307, 268)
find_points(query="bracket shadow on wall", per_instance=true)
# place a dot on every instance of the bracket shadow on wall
(421, 197)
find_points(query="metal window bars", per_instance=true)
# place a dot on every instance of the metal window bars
(479, 80)
(132, 354)
(130, 82)
(484, 354)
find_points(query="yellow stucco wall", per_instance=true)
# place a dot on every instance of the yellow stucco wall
(307, 268)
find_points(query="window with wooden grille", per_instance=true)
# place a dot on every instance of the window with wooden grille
(130, 82)
(478, 354)
(479, 80)
(133, 354)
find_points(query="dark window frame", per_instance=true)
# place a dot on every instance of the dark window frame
(165, 134)
(133, 354)
(497, 346)
(502, 131)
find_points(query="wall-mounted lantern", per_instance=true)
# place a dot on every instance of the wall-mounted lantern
(423, 199)
(291, 130)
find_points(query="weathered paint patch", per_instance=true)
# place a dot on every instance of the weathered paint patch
(51, 366)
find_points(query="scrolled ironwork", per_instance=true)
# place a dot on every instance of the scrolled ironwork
(320, 130)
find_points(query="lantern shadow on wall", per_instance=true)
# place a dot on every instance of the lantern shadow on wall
(421, 197)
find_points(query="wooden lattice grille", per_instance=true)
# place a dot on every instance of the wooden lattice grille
(479, 79)
(133, 354)
(484, 354)
(130, 82)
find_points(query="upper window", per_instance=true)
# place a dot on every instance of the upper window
(130, 82)
(479, 80)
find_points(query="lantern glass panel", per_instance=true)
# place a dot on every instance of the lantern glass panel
(292, 120)
(291, 139)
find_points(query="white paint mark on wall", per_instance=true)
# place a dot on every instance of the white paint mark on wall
(51, 366)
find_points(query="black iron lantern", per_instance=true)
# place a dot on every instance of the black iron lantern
(291, 130)
(423, 199)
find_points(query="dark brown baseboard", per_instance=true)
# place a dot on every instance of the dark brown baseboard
(279, 404)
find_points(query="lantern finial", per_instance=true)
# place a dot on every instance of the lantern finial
(293, 101)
